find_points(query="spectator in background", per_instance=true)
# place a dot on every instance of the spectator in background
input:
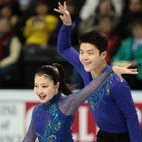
(131, 51)
(131, 12)
(105, 6)
(10, 48)
(10, 9)
(24, 4)
(7, 1)
(90, 6)
(14, 4)
(39, 27)
(51, 3)
(76, 20)
(54, 3)
(107, 26)
(6, 11)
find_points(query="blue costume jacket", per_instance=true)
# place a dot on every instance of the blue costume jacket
(112, 105)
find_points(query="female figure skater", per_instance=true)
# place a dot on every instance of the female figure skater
(53, 117)
(113, 108)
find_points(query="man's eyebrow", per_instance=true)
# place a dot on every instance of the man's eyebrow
(89, 50)
(86, 51)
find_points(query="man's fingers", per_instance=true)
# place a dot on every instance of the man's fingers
(133, 72)
(62, 10)
(61, 5)
(65, 6)
(133, 69)
(57, 10)
(61, 17)
(127, 66)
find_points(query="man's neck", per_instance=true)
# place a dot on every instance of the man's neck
(98, 70)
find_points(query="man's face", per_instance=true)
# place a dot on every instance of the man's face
(90, 57)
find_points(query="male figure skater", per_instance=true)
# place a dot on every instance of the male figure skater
(112, 105)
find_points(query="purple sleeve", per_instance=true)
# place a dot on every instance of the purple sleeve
(69, 104)
(65, 49)
(30, 136)
(122, 94)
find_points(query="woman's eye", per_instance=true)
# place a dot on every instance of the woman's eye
(35, 85)
(90, 53)
(45, 86)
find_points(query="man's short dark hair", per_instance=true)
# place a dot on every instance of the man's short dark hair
(98, 39)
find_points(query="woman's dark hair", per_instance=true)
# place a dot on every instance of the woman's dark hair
(57, 73)
(98, 39)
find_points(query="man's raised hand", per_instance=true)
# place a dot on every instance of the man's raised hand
(65, 17)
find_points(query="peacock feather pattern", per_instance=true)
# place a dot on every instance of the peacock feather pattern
(51, 127)
(97, 97)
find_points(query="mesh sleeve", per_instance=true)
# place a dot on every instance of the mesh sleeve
(68, 105)
(30, 136)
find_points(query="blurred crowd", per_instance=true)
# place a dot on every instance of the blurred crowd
(29, 31)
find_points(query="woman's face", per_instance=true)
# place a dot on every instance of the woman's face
(4, 26)
(41, 9)
(105, 25)
(137, 31)
(44, 88)
(6, 12)
(105, 7)
(135, 5)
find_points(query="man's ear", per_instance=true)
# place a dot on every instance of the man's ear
(103, 55)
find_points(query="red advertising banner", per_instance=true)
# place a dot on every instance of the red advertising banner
(16, 108)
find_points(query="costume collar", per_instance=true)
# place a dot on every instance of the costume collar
(54, 99)
(106, 67)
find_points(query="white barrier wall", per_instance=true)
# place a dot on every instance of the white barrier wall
(15, 114)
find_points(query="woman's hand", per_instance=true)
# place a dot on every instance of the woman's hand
(123, 70)
(66, 18)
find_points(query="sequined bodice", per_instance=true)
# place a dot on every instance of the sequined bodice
(49, 122)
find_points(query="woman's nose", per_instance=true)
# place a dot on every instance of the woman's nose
(40, 91)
